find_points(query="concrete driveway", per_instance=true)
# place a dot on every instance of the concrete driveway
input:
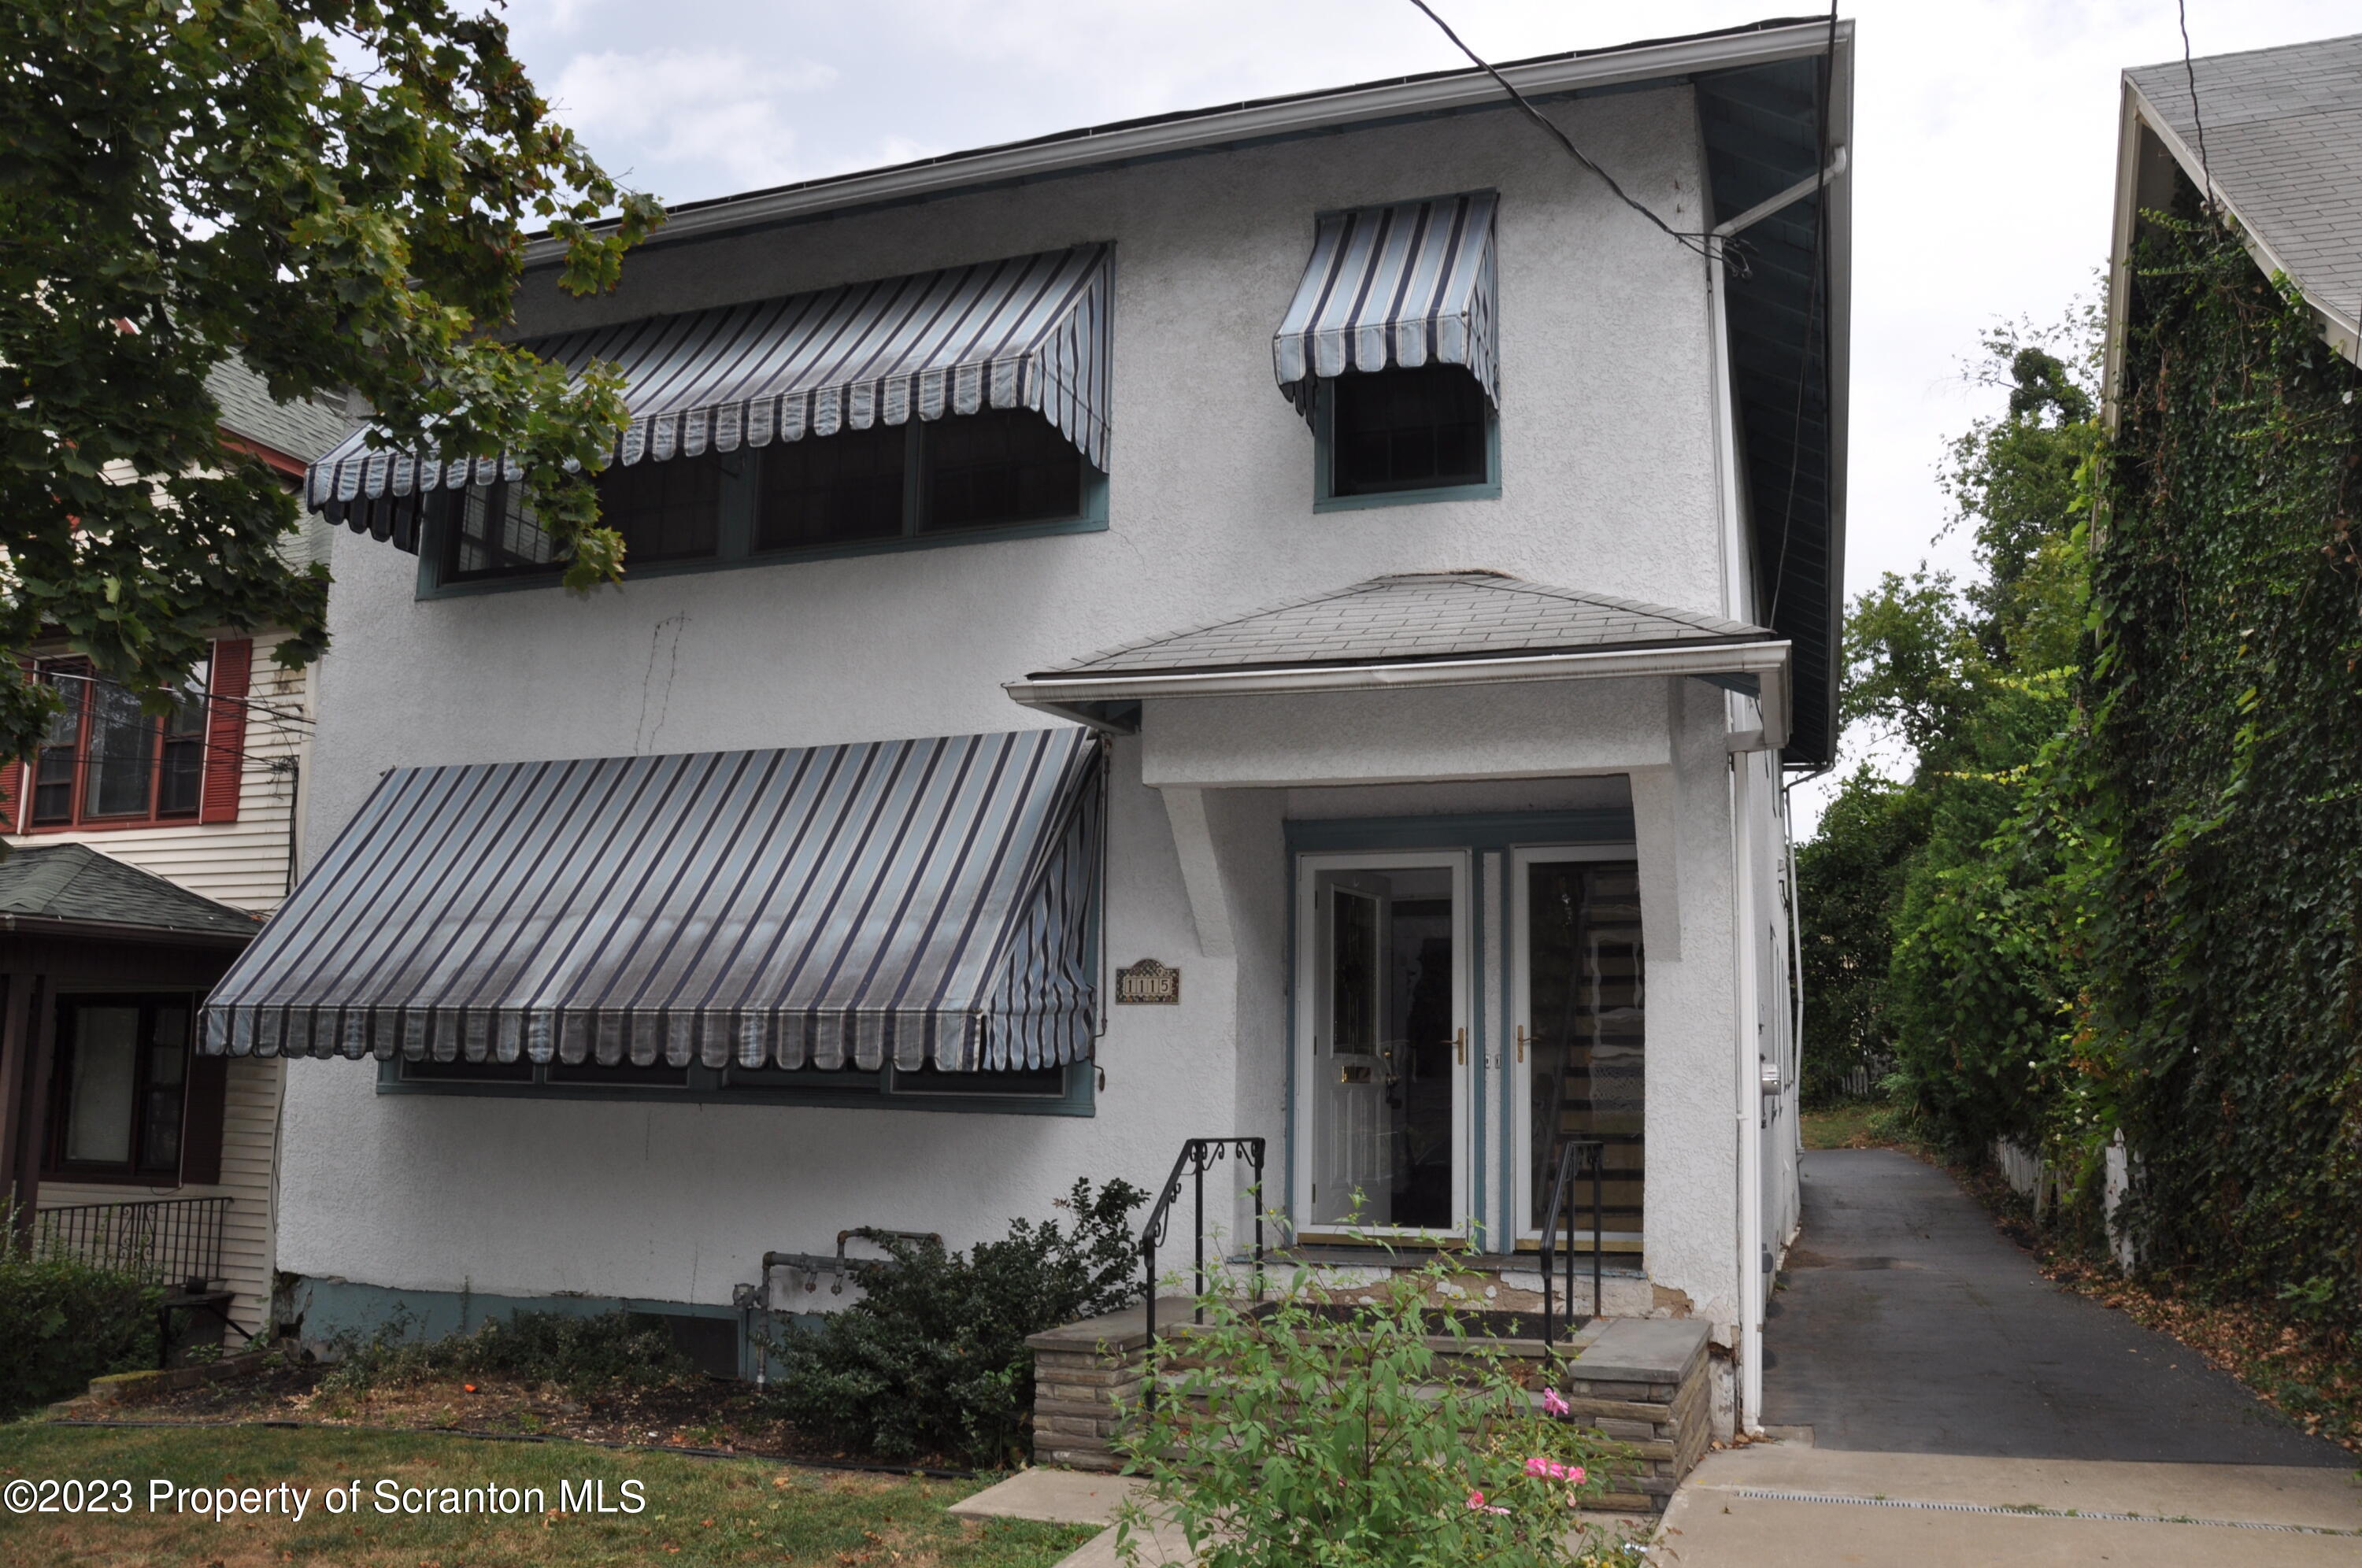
(1943, 1403)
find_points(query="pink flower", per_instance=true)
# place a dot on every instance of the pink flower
(1573, 1473)
(1477, 1504)
(1555, 1405)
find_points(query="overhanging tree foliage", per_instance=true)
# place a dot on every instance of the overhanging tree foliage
(339, 194)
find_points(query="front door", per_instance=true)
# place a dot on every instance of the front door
(1578, 1005)
(1382, 1135)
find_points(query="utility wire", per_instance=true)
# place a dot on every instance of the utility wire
(1699, 242)
(2182, 14)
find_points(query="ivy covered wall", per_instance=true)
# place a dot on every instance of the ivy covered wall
(2219, 782)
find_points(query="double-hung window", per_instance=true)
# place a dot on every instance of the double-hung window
(1401, 432)
(111, 758)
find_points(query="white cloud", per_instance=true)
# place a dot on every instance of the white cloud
(722, 112)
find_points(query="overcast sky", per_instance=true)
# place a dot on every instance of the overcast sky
(1984, 152)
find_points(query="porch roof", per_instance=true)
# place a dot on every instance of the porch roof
(923, 900)
(1420, 628)
(73, 889)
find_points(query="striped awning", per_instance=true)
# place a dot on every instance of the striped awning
(1408, 284)
(918, 901)
(1030, 332)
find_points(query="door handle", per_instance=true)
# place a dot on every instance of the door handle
(1521, 1043)
(1460, 1045)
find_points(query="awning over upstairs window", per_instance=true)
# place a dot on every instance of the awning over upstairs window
(926, 901)
(1031, 332)
(1405, 285)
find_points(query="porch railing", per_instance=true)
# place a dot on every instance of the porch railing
(1576, 1156)
(165, 1241)
(1198, 1156)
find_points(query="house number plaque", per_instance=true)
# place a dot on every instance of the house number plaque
(1148, 981)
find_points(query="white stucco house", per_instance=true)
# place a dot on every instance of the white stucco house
(1468, 543)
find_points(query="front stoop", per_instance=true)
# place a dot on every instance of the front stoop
(1641, 1382)
(1083, 1374)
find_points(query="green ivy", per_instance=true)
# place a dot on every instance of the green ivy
(2222, 784)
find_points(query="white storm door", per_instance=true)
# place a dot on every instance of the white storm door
(1577, 1031)
(1383, 1096)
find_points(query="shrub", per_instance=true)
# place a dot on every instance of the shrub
(931, 1360)
(63, 1322)
(575, 1352)
(1288, 1434)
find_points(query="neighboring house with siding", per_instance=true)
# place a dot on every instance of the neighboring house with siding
(143, 851)
(1471, 552)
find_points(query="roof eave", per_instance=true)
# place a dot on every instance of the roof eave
(1092, 698)
(1076, 152)
(2342, 330)
(122, 931)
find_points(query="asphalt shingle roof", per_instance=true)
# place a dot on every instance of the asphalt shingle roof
(75, 882)
(1412, 617)
(2284, 146)
(303, 430)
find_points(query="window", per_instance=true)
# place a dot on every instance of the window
(1405, 433)
(1050, 1091)
(122, 1088)
(106, 760)
(886, 487)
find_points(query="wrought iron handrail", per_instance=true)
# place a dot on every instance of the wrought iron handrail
(164, 1240)
(1197, 1156)
(1576, 1153)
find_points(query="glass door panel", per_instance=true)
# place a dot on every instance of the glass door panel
(1581, 1056)
(1382, 1055)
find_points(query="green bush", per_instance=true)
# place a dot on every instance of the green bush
(63, 1324)
(1285, 1434)
(931, 1360)
(575, 1352)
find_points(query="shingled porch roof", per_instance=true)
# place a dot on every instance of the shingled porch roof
(1467, 628)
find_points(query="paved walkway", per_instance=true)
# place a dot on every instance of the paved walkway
(1909, 1325)
(1950, 1406)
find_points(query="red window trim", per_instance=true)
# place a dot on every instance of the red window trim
(221, 767)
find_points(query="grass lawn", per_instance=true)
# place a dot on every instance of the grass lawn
(1849, 1126)
(695, 1511)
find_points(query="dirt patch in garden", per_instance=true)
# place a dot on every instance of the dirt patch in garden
(698, 1415)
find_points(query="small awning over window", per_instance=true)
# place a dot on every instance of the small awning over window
(1407, 285)
(1031, 332)
(922, 901)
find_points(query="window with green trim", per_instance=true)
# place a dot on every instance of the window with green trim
(1404, 434)
(1065, 1090)
(965, 476)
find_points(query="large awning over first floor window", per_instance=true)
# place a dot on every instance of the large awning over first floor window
(928, 902)
(1029, 332)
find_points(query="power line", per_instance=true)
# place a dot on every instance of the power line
(2189, 71)
(1698, 242)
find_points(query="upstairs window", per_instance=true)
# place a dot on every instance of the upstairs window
(926, 480)
(1397, 430)
(107, 760)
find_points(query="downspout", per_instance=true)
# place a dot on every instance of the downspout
(1747, 1069)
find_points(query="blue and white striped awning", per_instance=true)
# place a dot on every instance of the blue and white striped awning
(1030, 332)
(1408, 284)
(918, 901)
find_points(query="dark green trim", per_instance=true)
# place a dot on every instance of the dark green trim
(709, 1085)
(1478, 830)
(734, 550)
(1326, 498)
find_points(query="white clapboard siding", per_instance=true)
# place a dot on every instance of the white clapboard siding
(249, 1178)
(243, 864)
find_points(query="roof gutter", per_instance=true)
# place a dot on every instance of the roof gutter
(1307, 114)
(121, 930)
(1078, 697)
